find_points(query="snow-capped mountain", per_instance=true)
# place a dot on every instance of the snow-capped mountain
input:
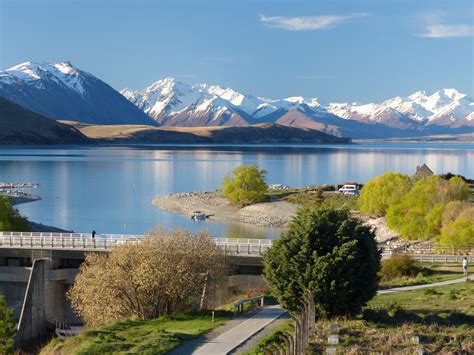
(63, 92)
(171, 102)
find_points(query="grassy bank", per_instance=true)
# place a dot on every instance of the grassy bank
(437, 320)
(428, 273)
(157, 336)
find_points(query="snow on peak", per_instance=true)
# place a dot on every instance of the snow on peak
(62, 73)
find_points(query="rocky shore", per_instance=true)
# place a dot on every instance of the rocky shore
(12, 191)
(275, 213)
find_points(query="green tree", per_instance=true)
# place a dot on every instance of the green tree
(10, 218)
(459, 232)
(458, 224)
(328, 252)
(245, 185)
(7, 328)
(382, 191)
(418, 214)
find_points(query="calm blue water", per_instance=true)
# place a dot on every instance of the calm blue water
(110, 189)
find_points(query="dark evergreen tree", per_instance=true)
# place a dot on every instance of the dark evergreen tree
(330, 253)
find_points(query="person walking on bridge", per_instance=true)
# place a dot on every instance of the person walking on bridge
(465, 265)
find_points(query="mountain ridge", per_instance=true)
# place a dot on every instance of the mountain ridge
(172, 102)
(62, 91)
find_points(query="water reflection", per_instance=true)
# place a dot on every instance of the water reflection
(110, 188)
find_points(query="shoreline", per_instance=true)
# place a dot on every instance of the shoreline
(276, 213)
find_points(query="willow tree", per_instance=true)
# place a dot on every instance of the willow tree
(245, 185)
(382, 191)
(418, 215)
(162, 274)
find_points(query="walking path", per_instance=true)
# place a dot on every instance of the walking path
(417, 287)
(235, 336)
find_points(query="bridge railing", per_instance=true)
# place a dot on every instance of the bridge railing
(105, 242)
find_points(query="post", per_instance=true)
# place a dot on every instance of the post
(213, 316)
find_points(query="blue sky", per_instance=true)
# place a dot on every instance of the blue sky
(334, 50)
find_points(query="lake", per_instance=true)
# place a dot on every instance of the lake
(110, 189)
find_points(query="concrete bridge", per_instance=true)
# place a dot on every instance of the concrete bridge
(37, 269)
(84, 242)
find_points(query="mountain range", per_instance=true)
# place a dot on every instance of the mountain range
(174, 103)
(63, 92)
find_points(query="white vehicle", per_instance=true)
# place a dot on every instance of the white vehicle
(349, 190)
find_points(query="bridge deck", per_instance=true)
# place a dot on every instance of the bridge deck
(106, 242)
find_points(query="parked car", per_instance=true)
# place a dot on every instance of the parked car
(349, 190)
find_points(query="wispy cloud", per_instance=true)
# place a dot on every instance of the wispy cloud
(447, 31)
(305, 23)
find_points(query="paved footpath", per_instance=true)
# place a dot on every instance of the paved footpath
(417, 287)
(235, 336)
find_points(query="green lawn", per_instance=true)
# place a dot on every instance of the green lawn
(429, 273)
(157, 336)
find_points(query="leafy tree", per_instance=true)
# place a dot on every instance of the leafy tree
(10, 218)
(7, 328)
(458, 224)
(459, 232)
(245, 185)
(328, 252)
(160, 275)
(418, 214)
(382, 191)
(454, 209)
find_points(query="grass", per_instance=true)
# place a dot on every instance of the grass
(157, 336)
(436, 320)
(428, 273)
(273, 338)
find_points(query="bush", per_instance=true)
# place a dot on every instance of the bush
(382, 191)
(160, 275)
(398, 266)
(245, 185)
(328, 252)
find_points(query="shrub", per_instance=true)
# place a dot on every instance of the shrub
(245, 185)
(382, 191)
(398, 266)
(328, 252)
(158, 276)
